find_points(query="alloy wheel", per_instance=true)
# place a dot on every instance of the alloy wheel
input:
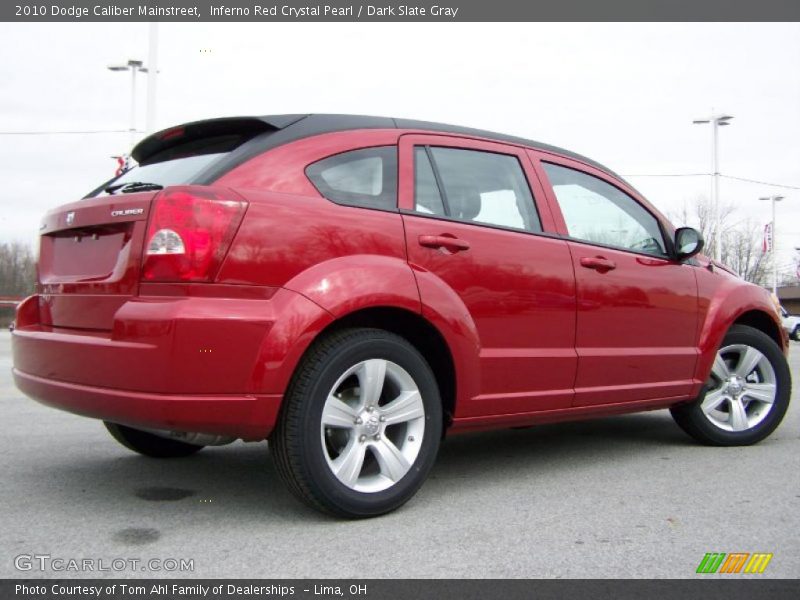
(372, 425)
(741, 390)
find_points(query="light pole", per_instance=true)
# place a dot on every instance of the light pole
(133, 66)
(152, 60)
(717, 121)
(773, 200)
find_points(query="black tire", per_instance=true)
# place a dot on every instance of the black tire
(796, 334)
(296, 443)
(148, 444)
(693, 420)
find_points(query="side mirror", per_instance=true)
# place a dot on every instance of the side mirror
(688, 242)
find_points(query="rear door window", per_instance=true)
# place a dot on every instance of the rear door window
(428, 199)
(474, 186)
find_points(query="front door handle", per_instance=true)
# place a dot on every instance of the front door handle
(598, 263)
(447, 242)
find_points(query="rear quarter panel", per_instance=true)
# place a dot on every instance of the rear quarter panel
(341, 258)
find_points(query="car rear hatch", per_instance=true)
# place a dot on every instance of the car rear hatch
(90, 259)
(91, 251)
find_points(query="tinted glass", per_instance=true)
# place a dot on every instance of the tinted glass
(178, 171)
(598, 212)
(427, 198)
(366, 177)
(180, 163)
(485, 187)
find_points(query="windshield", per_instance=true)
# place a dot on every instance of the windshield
(178, 171)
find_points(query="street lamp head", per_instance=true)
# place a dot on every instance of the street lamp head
(135, 65)
(773, 198)
(719, 120)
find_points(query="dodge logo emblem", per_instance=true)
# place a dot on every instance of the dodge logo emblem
(70, 217)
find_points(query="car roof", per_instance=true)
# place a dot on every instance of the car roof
(271, 131)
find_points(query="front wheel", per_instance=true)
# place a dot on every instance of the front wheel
(360, 426)
(746, 395)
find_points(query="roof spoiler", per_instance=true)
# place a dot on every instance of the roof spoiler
(165, 139)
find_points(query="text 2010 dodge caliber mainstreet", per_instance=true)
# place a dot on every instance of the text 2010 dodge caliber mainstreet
(354, 288)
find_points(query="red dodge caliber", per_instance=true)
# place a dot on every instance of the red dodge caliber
(354, 288)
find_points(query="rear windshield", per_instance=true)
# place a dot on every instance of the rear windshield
(178, 171)
(178, 162)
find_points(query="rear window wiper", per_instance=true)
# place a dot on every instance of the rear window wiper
(133, 186)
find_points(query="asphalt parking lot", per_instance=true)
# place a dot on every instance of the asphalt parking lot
(629, 496)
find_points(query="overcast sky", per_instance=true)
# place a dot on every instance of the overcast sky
(624, 95)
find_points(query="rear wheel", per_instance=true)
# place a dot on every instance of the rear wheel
(360, 426)
(149, 444)
(746, 395)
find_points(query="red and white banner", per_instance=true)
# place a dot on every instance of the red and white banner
(766, 245)
(123, 165)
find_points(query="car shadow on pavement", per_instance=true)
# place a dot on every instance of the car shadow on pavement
(239, 482)
(547, 447)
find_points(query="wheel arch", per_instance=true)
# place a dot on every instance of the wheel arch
(317, 304)
(755, 314)
(384, 292)
(419, 332)
(739, 424)
(322, 295)
(758, 319)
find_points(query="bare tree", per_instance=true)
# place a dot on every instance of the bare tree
(742, 251)
(740, 243)
(17, 269)
(712, 222)
(789, 277)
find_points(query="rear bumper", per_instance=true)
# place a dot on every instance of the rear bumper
(199, 364)
(250, 417)
(167, 345)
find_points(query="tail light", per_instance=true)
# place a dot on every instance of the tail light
(189, 234)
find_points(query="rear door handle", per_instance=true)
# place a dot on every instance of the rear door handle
(598, 263)
(453, 244)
